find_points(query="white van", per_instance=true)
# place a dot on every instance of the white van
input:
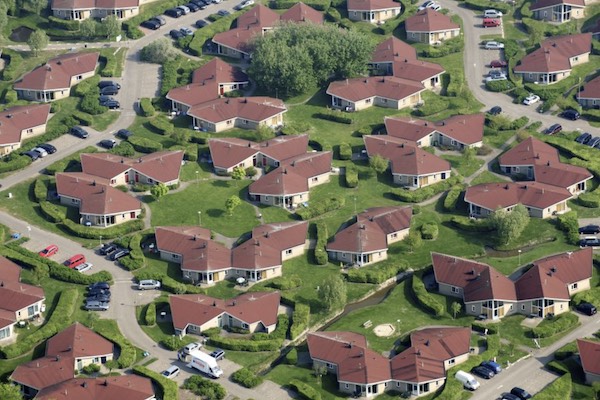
(205, 364)
(148, 284)
(492, 14)
(468, 381)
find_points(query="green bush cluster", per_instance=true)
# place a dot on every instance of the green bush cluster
(246, 378)
(144, 145)
(322, 236)
(167, 386)
(150, 316)
(291, 358)
(40, 190)
(351, 176)
(280, 332)
(424, 193)
(52, 212)
(320, 208)
(11, 69)
(13, 162)
(204, 388)
(424, 298)
(482, 5)
(569, 224)
(107, 233)
(471, 224)
(345, 151)
(589, 200)
(491, 329)
(451, 199)
(300, 320)
(135, 259)
(206, 33)
(84, 118)
(429, 231)
(306, 391)
(245, 345)
(295, 128)
(146, 107)
(499, 86)
(561, 323)
(110, 65)
(286, 282)
(377, 273)
(333, 117)
(60, 319)
(91, 369)
(127, 356)
(454, 45)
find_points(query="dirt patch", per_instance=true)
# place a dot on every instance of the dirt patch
(21, 34)
(384, 330)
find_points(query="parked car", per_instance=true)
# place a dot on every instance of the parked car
(482, 372)
(31, 154)
(531, 99)
(493, 45)
(495, 78)
(107, 248)
(111, 104)
(188, 348)
(594, 142)
(223, 13)
(491, 22)
(49, 251)
(183, 9)
(175, 34)
(150, 24)
(161, 20)
(171, 372)
(103, 84)
(571, 114)
(551, 130)
(509, 396)
(586, 308)
(84, 267)
(200, 3)
(591, 241)
(492, 14)
(496, 73)
(520, 393)
(146, 284)
(41, 152)
(583, 138)
(218, 354)
(123, 133)
(468, 381)
(589, 230)
(436, 7)
(49, 148)
(201, 23)
(109, 91)
(75, 260)
(498, 64)
(79, 132)
(97, 292)
(425, 5)
(174, 12)
(244, 4)
(96, 306)
(492, 366)
(118, 254)
(99, 285)
(495, 110)
(107, 143)
(185, 31)
(104, 98)
(193, 7)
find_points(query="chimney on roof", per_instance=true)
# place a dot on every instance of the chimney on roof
(37, 364)
(427, 342)
(48, 68)
(548, 163)
(94, 183)
(9, 116)
(367, 80)
(122, 161)
(57, 357)
(443, 123)
(266, 234)
(418, 352)
(84, 384)
(569, 253)
(234, 302)
(362, 226)
(214, 303)
(105, 383)
(140, 160)
(425, 123)
(553, 269)
(506, 186)
(195, 237)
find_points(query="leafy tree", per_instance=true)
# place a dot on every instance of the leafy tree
(319, 370)
(11, 6)
(332, 293)
(159, 191)
(8, 391)
(111, 364)
(469, 154)
(112, 26)
(158, 51)
(238, 173)
(37, 6)
(38, 40)
(232, 203)
(88, 28)
(124, 149)
(378, 164)
(3, 17)
(263, 133)
(456, 307)
(414, 240)
(510, 224)
(180, 137)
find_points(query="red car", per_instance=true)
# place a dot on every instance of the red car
(49, 251)
(498, 64)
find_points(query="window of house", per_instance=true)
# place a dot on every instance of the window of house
(315, 179)
(113, 181)
(511, 307)
(288, 251)
(397, 384)
(229, 122)
(330, 366)
(368, 101)
(226, 272)
(346, 385)
(574, 286)
(73, 200)
(531, 75)
(175, 255)
(29, 130)
(454, 289)
(575, 58)
(245, 121)
(412, 34)
(522, 306)
(4, 333)
(472, 308)
(394, 235)
(245, 325)
(451, 361)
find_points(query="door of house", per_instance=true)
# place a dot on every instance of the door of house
(132, 215)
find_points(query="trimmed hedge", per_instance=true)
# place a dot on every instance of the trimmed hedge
(246, 378)
(128, 351)
(482, 5)
(472, 225)
(13, 163)
(107, 233)
(11, 69)
(110, 64)
(305, 391)
(144, 145)
(286, 282)
(421, 194)
(40, 190)
(569, 224)
(135, 259)
(291, 358)
(351, 176)
(146, 107)
(491, 329)
(589, 199)
(150, 316)
(204, 388)
(245, 345)
(429, 231)
(499, 86)
(559, 324)
(300, 320)
(345, 151)
(322, 235)
(333, 118)
(169, 388)
(377, 273)
(423, 298)
(320, 208)
(452, 197)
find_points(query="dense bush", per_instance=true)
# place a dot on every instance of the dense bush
(107, 233)
(245, 345)
(454, 45)
(499, 86)
(295, 128)
(144, 145)
(168, 387)
(286, 282)
(15, 60)
(589, 200)
(291, 358)
(345, 151)
(246, 378)
(424, 298)
(305, 391)
(491, 329)
(315, 209)
(150, 316)
(377, 273)
(333, 117)
(40, 189)
(203, 387)
(559, 324)
(482, 5)
(91, 369)
(83, 118)
(162, 125)
(322, 236)
(110, 64)
(452, 197)
(13, 162)
(351, 176)
(424, 193)
(569, 224)
(300, 320)
(51, 212)
(135, 259)
(146, 107)
(471, 224)
(429, 231)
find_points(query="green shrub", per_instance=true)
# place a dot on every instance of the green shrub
(589, 200)
(424, 193)
(320, 208)
(295, 128)
(13, 163)
(429, 231)
(168, 387)
(333, 117)
(83, 118)
(51, 212)
(499, 86)
(559, 324)
(345, 151)
(322, 236)
(452, 197)
(246, 378)
(377, 273)
(305, 391)
(10, 97)
(11, 70)
(144, 145)
(204, 388)
(351, 176)
(569, 224)
(146, 107)
(127, 356)
(162, 125)
(40, 189)
(110, 65)
(482, 5)
(91, 369)
(245, 345)
(107, 233)
(424, 298)
(150, 317)
(167, 283)
(286, 282)
(291, 358)
(491, 329)
(300, 320)
(454, 45)
(471, 224)
(66, 24)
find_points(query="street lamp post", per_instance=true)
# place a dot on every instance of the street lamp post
(197, 177)
(200, 218)
(398, 322)
(519, 257)
(100, 240)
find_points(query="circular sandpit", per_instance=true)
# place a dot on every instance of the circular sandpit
(384, 330)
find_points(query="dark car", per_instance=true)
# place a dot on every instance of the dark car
(498, 64)
(492, 366)
(589, 242)
(202, 4)
(586, 308)
(175, 34)
(107, 143)
(99, 297)
(509, 396)
(174, 12)
(124, 133)
(223, 13)
(79, 132)
(571, 114)
(118, 254)
(150, 24)
(483, 372)
(553, 129)
(589, 230)
(201, 23)
(109, 91)
(218, 354)
(495, 110)
(160, 19)
(34, 155)
(193, 7)
(583, 138)
(103, 84)
(99, 285)
(48, 147)
(97, 292)
(104, 98)
(520, 393)
(111, 104)
(107, 248)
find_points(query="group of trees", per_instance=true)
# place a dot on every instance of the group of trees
(158, 51)
(109, 27)
(510, 224)
(298, 57)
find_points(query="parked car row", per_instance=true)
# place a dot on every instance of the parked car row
(98, 297)
(40, 152)
(487, 369)
(112, 251)
(589, 140)
(154, 23)
(179, 33)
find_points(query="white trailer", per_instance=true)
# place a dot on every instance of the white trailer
(204, 363)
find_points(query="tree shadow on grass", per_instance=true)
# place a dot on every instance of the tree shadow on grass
(215, 213)
(220, 183)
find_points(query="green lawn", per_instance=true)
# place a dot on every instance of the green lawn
(511, 329)
(496, 139)
(464, 167)
(486, 177)
(283, 374)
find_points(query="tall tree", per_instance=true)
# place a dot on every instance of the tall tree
(378, 164)
(8, 391)
(510, 224)
(158, 51)
(232, 203)
(238, 173)
(38, 40)
(332, 293)
(36, 6)
(159, 190)
(456, 307)
(88, 28)
(112, 26)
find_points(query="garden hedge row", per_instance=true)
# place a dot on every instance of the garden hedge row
(320, 208)
(471, 224)
(150, 316)
(452, 197)
(499, 86)
(589, 199)
(450, 46)
(286, 282)
(322, 235)
(280, 332)
(351, 176)
(424, 298)
(300, 320)
(128, 352)
(305, 391)
(482, 5)
(569, 224)
(491, 329)
(135, 259)
(40, 189)
(61, 317)
(561, 323)
(107, 233)
(245, 345)
(246, 378)
(13, 61)
(333, 117)
(146, 107)
(377, 273)
(345, 151)
(169, 388)
(167, 283)
(110, 64)
(13, 162)
(429, 231)
(161, 125)
(421, 194)
(144, 145)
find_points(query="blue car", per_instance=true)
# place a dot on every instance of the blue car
(492, 366)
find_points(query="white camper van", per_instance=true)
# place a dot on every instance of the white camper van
(204, 363)
(468, 381)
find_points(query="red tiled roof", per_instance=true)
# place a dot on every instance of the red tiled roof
(537, 284)
(409, 129)
(530, 151)
(539, 4)
(371, 5)
(57, 72)
(95, 194)
(15, 120)
(589, 353)
(561, 175)
(442, 343)
(78, 341)
(9, 271)
(467, 129)
(412, 366)
(416, 70)
(405, 157)
(283, 235)
(501, 195)
(258, 15)
(130, 387)
(393, 49)
(44, 372)
(219, 71)
(90, 4)
(569, 267)
(388, 87)
(300, 12)
(554, 53)
(198, 309)
(162, 166)
(591, 90)
(14, 295)
(255, 109)
(238, 39)
(365, 367)
(429, 20)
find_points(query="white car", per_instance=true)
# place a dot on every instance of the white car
(435, 7)
(492, 14)
(493, 45)
(42, 152)
(531, 99)
(84, 267)
(495, 78)
(425, 5)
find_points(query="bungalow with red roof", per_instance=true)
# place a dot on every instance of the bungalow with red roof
(195, 313)
(558, 10)
(130, 387)
(537, 160)
(367, 240)
(18, 301)
(589, 95)
(206, 261)
(429, 74)
(53, 80)
(362, 372)
(431, 27)
(589, 354)
(373, 11)
(555, 58)
(411, 166)
(79, 10)
(21, 122)
(388, 51)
